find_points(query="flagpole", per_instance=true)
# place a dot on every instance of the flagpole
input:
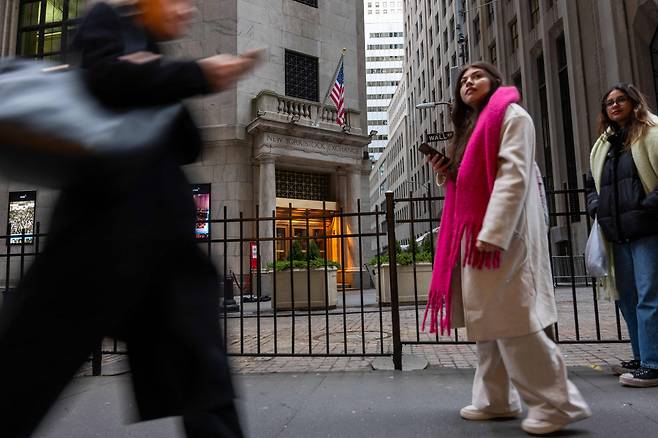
(316, 123)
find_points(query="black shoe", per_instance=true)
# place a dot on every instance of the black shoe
(626, 367)
(640, 378)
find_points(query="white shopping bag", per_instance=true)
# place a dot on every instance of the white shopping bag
(596, 259)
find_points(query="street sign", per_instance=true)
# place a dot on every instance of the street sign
(439, 136)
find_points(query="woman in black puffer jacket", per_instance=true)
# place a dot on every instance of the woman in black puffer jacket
(622, 193)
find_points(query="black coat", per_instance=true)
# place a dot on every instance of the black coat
(623, 209)
(121, 259)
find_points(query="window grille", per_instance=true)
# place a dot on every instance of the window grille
(46, 27)
(302, 76)
(299, 185)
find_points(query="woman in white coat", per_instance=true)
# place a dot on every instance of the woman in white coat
(492, 271)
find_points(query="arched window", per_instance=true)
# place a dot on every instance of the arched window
(654, 62)
(45, 27)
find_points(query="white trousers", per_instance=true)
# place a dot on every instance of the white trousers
(533, 367)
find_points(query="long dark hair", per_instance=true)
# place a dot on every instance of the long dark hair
(464, 117)
(640, 119)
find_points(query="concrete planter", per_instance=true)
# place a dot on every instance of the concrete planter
(283, 300)
(405, 282)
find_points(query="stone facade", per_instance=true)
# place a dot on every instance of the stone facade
(562, 55)
(254, 129)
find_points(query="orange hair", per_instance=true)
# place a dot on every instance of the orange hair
(151, 16)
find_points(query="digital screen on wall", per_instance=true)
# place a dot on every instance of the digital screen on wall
(201, 195)
(22, 208)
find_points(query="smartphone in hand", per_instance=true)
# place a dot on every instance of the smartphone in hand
(431, 152)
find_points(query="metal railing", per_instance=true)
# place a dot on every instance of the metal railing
(583, 315)
(373, 308)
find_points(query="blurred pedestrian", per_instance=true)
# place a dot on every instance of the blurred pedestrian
(492, 271)
(121, 257)
(622, 193)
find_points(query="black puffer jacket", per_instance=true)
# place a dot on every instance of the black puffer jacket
(624, 211)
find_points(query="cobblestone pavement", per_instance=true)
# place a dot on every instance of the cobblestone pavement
(353, 332)
(352, 338)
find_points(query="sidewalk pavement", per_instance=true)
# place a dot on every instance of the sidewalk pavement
(352, 404)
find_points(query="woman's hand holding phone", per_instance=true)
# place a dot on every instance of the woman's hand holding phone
(440, 163)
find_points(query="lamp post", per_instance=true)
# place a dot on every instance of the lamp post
(428, 105)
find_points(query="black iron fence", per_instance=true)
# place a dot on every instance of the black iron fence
(324, 283)
(584, 314)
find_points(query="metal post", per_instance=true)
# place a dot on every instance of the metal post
(96, 359)
(393, 279)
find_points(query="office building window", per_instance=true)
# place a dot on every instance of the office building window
(534, 13)
(514, 35)
(476, 28)
(384, 58)
(490, 14)
(493, 54)
(301, 76)
(517, 81)
(46, 27)
(384, 46)
(451, 29)
(313, 3)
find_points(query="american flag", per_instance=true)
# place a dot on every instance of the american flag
(338, 95)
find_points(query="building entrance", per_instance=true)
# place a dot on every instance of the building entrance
(313, 226)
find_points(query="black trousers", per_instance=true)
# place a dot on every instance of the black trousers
(159, 295)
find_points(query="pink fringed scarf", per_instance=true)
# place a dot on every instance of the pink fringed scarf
(465, 205)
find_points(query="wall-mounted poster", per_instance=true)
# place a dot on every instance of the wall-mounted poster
(22, 208)
(201, 195)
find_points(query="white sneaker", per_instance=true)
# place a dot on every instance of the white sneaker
(540, 427)
(543, 427)
(472, 413)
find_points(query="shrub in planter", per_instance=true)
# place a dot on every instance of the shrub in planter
(312, 258)
(409, 283)
(406, 257)
(293, 289)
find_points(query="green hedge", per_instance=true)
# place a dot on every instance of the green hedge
(283, 265)
(311, 260)
(406, 257)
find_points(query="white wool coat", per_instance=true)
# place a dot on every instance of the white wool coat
(517, 298)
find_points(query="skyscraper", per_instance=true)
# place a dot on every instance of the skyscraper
(384, 59)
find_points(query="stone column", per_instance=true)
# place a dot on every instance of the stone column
(341, 188)
(266, 204)
(354, 193)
